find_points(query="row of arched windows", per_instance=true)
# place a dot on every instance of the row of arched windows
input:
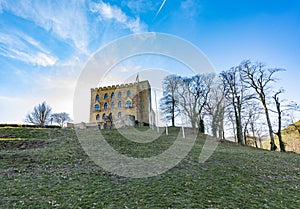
(97, 98)
(97, 106)
(104, 116)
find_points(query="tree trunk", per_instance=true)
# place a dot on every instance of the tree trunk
(239, 127)
(173, 111)
(272, 143)
(245, 135)
(201, 126)
(253, 134)
(255, 142)
(260, 142)
(221, 128)
(281, 143)
(214, 125)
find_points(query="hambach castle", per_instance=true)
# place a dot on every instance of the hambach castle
(122, 105)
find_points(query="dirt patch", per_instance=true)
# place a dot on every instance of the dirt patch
(6, 136)
(21, 144)
(6, 171)
(30, 144)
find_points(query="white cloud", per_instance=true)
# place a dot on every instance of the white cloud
(109, 12)
(19, 46)
(66, 19)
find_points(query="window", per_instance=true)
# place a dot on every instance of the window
(128, 104)
(119, 104)
(96, 107)
(104, 116)
(105, 96)
(112, 95)
(119, 94)
(112, 105)
(128, 93)
(119, 114)
(97, 117)
(97, 97)
(110, 115)
(105, 106)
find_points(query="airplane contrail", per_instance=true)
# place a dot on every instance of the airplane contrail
(161, 6)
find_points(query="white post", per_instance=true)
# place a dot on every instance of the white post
(167, 132)
(183, 134)
(156, 112)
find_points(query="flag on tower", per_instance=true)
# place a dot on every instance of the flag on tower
(137, 78)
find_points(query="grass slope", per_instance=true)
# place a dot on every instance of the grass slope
(55, 172)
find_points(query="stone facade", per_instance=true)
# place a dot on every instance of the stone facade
(122, 105)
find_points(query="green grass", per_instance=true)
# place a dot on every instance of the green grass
(49, 169)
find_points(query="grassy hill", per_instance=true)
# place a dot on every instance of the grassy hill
(291, 137)
(49, 169)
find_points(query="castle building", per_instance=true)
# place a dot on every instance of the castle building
(122, 105)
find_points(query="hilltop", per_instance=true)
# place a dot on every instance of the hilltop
(42, 168)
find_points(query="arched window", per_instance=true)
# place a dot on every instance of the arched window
(128, 104)
(112, 105)
(112, 95)
(128, 93)
(104, 116)
(96, 107)
(97, 117)
(119, 104)
(110, 115)
(119, 94)
(105, 106)
(119, 114)
(105, 96)
(97, 97)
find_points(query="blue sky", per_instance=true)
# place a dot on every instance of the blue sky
(44, 45)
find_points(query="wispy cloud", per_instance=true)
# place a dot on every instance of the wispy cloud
(191, 8)
(111, 12)
(66, 19)
(19, 46)
(141, 6)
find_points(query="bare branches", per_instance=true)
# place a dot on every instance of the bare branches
(169, 102)
(61, 118)
(257, 77)
(40, 115)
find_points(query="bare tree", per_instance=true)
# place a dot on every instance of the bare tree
(192, 96)
(234, 93)
(279, 113)
(40, 116)
(259, 79)
(187, 100)
(215, 107)
(169, 101)
(254, 113)
(202, 86)
(61, 118)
